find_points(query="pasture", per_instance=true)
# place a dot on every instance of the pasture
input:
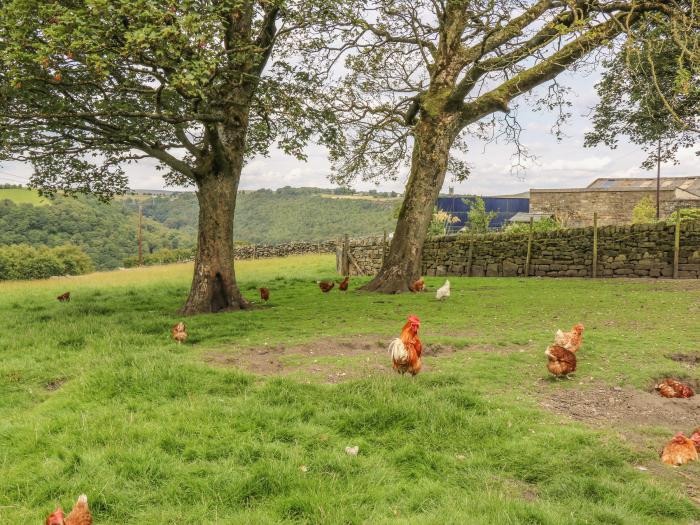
(22, 196)
(247, 422)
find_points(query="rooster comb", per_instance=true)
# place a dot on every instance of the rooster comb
(413, 319)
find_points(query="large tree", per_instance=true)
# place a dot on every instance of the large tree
(419, 75)
(89, 86)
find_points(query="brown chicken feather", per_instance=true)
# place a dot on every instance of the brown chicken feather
(673, 388)
(570, 340)
(418, 285)
(80, 515)
(344, 285)
(179, 333)
(325, 286)
(265, 294)
(695, 436)
(560, 360)
(679, 451)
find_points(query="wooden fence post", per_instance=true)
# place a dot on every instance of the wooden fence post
(339, 255)
(594, 269)
(346, 255)
(255, 251)
(677, 245)
(529, 248)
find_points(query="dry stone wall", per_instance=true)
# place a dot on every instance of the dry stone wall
(623, 251)
(259, 251)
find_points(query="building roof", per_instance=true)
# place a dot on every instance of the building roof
(688, 184)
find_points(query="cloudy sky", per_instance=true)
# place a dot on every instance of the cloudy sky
(557, 164)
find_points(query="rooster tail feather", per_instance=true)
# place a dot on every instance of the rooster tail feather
(398, 351)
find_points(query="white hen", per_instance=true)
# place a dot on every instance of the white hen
(443, 291)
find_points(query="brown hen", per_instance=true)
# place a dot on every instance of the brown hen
(80, 515)
(344, 285)
(561, 361)
(179, 332)
(570, 340)
(695, 436)
(265, 294)
(673, 388)
(326, 286)
(64, 297)
(418, 285)
(679, 451)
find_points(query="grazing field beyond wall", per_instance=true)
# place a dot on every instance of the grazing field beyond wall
(644, 250)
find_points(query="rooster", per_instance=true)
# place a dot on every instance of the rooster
(325, 286)
(695, 436)
(561, 362)
(344, 285)
(265, 294)
(80, 515)
(179, 333)
(418, 285)
(570, 340)
(443, 291)
(673, 388)
(64, 297)
(406, 349)
(679, 451)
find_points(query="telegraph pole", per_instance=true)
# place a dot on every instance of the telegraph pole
(140, 235)
(658, 180)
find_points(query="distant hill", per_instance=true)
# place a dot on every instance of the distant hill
(287, 214)
(108, 232)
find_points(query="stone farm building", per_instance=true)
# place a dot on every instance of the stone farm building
(614, 199)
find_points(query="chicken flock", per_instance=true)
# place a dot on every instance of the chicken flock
(405, 353)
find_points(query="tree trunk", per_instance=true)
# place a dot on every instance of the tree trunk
(214, 287)
(402, 266)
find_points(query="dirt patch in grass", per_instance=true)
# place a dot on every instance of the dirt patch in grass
(54, 384)
(688, 359)
(331, 360)
(324, 360)
(602, 405)
(692, 383)
(665, 285)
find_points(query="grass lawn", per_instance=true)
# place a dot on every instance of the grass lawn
(22, 196)
(248, 421)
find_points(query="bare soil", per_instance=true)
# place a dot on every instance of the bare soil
(54, 385)
(332, 360)
(688, 359)
(602, 405)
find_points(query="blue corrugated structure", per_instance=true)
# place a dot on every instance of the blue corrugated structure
(505, 208)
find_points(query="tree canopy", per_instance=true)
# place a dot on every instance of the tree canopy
(88, 87)
(650, 91)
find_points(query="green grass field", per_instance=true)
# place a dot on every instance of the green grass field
(248, 421)
(22, 196)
